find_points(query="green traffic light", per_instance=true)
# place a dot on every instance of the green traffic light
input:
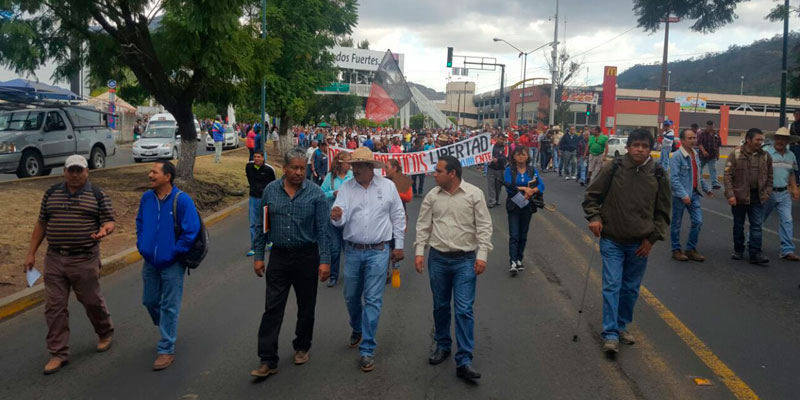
(449, 65)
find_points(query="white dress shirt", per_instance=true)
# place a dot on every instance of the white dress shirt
(371, 215)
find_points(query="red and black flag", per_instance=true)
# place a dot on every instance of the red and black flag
(389, 91)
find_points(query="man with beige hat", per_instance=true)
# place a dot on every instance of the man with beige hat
(784, 189)
(75, 215)
(369, 209)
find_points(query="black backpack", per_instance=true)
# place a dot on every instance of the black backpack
(192, 258)
(96, 191)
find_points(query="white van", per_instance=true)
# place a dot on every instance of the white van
(166, 119)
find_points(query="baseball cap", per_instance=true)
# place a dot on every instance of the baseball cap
(668, 122)
(76, 160)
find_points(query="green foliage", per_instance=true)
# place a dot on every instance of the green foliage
(708, 15)
(364, 44)
(366, 123)
(343, 108)
(759, 63)
(204, 110)
(417, 121)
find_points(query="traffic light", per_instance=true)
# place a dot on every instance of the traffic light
(588, 110)
(449, 57)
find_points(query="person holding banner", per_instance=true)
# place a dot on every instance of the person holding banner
(340, 173)
(522, 183)
(417, 180)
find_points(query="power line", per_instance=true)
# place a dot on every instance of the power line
(606, 42)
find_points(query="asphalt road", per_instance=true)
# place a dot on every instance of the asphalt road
(122, 156)
(746, 315)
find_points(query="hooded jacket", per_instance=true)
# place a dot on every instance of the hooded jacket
(155, 231)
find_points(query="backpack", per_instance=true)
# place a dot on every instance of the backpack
(658, 172)
(98, 194)
(192, 258)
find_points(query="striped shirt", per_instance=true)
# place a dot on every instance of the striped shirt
(72, 218)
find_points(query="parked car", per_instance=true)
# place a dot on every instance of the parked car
(616, 146)
(231, 140)
(33, 141)
(166, 119)
(157, 142)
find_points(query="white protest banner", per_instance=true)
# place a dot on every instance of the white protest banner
(473, 151)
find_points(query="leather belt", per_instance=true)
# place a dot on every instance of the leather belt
(299, 249)
(67, 252)
(373, 246)
(780, 189)
(457, 254)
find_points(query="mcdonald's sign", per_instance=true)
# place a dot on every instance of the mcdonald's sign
(611, 71)
(609, 99)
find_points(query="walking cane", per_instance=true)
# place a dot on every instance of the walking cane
(585, 286)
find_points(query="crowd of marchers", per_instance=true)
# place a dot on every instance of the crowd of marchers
(323, 212)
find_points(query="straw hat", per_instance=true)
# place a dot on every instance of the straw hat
(364, 155)
(784, 131)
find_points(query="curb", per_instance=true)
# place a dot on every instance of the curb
(26, 299)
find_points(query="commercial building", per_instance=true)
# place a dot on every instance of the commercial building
(459, 104)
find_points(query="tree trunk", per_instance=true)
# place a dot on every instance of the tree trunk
(286, 140)
(186, 129)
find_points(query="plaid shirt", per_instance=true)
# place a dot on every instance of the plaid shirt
(711, 143)
(294, 222)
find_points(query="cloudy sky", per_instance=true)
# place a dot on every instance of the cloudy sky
(422, 30)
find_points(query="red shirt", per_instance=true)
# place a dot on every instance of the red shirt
(694, 171)
(525, 140)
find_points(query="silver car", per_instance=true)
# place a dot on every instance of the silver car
(157, 142)
(230, 141)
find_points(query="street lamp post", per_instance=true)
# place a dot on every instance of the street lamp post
(741, 88)
(264, 132)
(524, 68)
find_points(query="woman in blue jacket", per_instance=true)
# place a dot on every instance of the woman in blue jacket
(520, 178)
(340, 173)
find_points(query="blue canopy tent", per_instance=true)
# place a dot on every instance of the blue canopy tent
(22, 88)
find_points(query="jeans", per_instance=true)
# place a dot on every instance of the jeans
(665, 157)
(254, 215)
(519, 222)
(495, 180)
(287, 269)
(755, 215)
(712, 170)
(337, 244)
(163, 290)
(217, 152)
(782, 203)
(583, 166)
(568, 163)
(623, 271)
(417, 188)
(534, 153)
(453, 277)
(364, 281)
(544, 157)
(795, 148)
(251, 151)
(557, 160)
(696, 216)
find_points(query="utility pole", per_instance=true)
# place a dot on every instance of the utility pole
(741, 88)
(524, 77)
(554, 56)
(502, 97)
(264, 131)
(784, 65)
(662, 97)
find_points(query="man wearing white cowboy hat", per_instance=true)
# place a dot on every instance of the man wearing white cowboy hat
(371, 212)
(784, 189)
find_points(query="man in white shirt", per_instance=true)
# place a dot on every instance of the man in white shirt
(371, 212)
(309, 158)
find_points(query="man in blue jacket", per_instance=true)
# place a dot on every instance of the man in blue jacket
(687, 189)
(218, 134)
(161, 246)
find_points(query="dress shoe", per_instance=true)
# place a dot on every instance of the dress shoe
(467, 372)
(759, 260)
(438, 356)
(54, 365)
(163, 361)
(791, 257)
(737, 256)
(263, 371)
(694, 255)
(300, 357)
(355, 339)
(678, 255)
(103, 344)
(626, 337)
(367, 363)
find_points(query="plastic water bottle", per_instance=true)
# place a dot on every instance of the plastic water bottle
(395, 275)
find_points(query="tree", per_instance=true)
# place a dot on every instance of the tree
(708, 15)
(346, 42)
(178, 51)
(306, 29)
(417, 121)
(343, 108)
(364, 44)
(779, 13)
(567, 72)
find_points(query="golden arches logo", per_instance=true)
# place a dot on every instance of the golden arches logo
(611, 71)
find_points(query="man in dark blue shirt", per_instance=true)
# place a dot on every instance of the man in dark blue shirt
(297, 226)
(319, 163)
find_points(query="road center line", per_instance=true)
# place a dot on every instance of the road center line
(736, 385)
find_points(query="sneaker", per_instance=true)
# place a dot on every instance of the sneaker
(715, 187)
(331, 282)
(513, 268)
(737, 255)
(566, 178)
(626, 337)
(269, 246)
(678, 255)
(367, 363)
(251, 253)
(355, 339)
(694, 255)
(611, 346)
(520, 267)
(790, 257)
